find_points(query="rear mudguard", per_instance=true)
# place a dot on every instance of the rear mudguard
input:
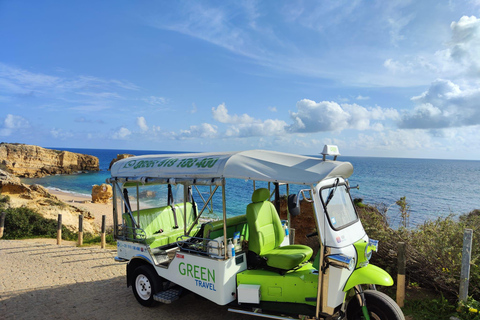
(369, 274)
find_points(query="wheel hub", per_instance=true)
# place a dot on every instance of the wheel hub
(143, 287)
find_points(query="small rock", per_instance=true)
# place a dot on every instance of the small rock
(101, 193)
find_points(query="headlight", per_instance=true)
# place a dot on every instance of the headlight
(364, 251)
(370, 247)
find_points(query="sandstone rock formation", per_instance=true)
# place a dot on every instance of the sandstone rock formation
(32, 161)
(38, 198)
(119, 157)
(101, 193)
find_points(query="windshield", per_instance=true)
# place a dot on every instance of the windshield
(338, 205)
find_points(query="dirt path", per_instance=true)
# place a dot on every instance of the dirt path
(41, 280)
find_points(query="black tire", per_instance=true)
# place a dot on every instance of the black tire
(379, 305)
(145, 284)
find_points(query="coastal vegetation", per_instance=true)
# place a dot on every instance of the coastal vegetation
(28, 223)
(433, 258)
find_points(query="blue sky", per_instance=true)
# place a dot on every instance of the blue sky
(377, 78)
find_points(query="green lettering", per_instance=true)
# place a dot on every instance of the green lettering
(211, 275)
(202, 273)
(181, 269)
(189, 270)
(195, 271)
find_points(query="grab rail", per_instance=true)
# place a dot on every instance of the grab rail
(199, 245)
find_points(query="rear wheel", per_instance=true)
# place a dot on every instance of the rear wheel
(146, 284)
(379, 305)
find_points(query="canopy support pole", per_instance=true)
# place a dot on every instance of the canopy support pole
(224, 205)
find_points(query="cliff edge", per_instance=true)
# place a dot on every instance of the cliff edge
(30, 161)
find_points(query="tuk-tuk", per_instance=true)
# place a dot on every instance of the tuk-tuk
(209, 224)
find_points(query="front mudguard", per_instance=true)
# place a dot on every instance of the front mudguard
(369, 274)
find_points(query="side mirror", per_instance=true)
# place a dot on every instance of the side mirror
(293, 206)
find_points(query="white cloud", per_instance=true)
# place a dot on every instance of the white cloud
(121, 134)
(247, 126)
(61, 134)
(316, 117)
(142, 123)
(15, 80)
(444, 105)
(464, 47)
(205, 130)
(11, 123)
(155, 101)
(330, 116)
(25, 80)
(221, 115)
(269, 127)
(272, 109)
(396, 140)
(194, 108)
(396, 25)
(360, 97)
(101, 95)
(460, 59)
(94, 107)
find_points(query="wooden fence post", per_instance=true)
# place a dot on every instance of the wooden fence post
(401, 274)
(80, 230)
(2, 223)
(102, 243)
(466, 257)
(59, 230)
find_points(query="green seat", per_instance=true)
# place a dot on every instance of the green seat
(266, 234)
(158, 224)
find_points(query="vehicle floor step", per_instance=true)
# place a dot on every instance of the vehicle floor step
(167, 296)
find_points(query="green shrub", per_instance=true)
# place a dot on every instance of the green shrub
(433, 249)
(4, 200)
(439, 309)
(90, 239)
(21, 223)
(469, 310)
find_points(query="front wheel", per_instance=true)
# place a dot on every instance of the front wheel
(379, 305)
(145, 284)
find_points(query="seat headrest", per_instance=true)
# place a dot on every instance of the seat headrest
(260, 195)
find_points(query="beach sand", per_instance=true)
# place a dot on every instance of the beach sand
(85, 203)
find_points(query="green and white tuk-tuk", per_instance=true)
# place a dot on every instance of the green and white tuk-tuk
(184, 225)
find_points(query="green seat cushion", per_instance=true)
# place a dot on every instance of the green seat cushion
(288, 257)
(157, 240)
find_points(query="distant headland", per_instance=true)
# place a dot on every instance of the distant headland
(28, 161)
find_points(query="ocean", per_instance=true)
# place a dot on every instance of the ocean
(433, 188)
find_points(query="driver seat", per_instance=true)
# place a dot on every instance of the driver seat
(266, 234)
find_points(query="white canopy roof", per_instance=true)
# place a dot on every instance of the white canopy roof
(258, 165)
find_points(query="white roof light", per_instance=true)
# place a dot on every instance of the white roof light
(330, 150)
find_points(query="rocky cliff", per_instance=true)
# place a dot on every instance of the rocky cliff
(32, 161)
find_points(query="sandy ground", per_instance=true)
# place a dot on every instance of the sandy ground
(85, 203)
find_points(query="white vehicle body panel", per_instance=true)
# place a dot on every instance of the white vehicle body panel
(214, 279)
